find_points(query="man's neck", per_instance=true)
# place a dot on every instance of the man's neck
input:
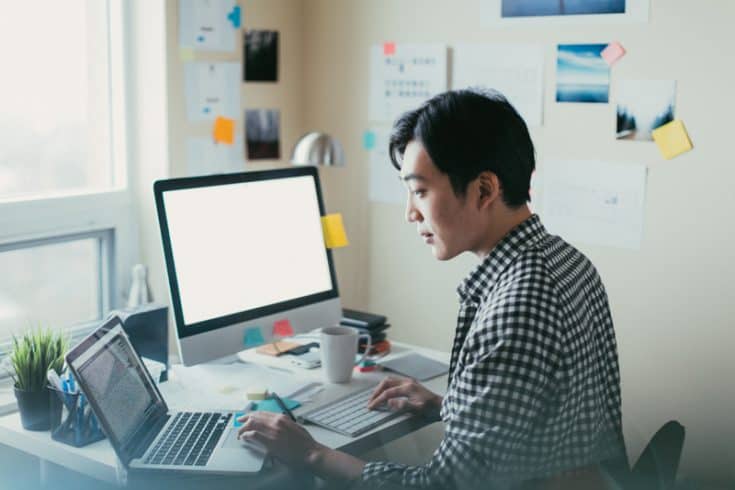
(501, 223)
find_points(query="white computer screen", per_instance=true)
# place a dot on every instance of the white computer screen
(246, 245)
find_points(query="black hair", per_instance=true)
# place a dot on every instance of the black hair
(466, 132)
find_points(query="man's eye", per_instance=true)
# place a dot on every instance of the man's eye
(419, 192)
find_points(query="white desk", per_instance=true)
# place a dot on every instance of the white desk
(99, 461)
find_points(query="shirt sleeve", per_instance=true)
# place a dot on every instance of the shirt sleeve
(501, 385)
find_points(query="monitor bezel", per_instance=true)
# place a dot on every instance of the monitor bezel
(160, 187)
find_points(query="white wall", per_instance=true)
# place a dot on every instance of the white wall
(672, 300)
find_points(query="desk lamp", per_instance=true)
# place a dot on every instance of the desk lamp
(318, 149)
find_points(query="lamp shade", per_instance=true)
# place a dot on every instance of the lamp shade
(318, 149)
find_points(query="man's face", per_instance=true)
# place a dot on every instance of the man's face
(444, 221)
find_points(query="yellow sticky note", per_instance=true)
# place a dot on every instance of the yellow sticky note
(672, 139)
(224, 130)
(334, 231)
(186, 54)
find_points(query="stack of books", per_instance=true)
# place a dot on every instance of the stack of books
(372, 324)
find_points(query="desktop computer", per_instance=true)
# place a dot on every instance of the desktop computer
(245, 252)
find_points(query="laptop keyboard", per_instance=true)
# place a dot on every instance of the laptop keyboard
(350, 415)
(189, 440)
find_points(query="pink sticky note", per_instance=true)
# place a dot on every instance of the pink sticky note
(283, 328)
(613, 52)
(389, 48)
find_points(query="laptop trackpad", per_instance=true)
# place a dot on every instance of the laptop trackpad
(254, 447)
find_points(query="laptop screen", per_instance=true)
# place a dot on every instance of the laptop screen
(115, 382)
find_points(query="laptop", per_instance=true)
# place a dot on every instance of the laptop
(145, 434)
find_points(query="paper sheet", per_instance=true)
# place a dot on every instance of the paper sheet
(223, 386)
(491, 13)
(403, 77)
(515, 70)
(594, 202)
(204, 157)
(209, 25)
(212, 89)
(385, 183)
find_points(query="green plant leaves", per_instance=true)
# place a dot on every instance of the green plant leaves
(34, 354)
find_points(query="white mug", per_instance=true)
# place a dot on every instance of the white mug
(338, 346)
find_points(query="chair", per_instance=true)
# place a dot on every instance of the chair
(657, 465)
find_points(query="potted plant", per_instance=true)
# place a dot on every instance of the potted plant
(34, 354)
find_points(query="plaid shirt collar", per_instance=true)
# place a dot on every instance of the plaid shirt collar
(479, 282)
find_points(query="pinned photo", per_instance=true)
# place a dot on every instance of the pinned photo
(261, 56)
(581, 74)
(262, 134)
(642, 106)
(536, 8)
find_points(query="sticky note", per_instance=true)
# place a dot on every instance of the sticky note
(186, 54)
(368, 140)
(389, 48)
(334, 231)
(283, 328)
(234, 16)
(672, 139)
(256, 393)
(224, 130)
(612, 52)
(235, 422)
(253, 337)
(270, 405)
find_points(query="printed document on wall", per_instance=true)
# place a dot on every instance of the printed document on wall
(595, 202)
(385, 184)
(212, 89)
(209, 25)
(516, 71)
(402, 76)
(205, 157)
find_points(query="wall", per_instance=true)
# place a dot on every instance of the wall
(672, 300)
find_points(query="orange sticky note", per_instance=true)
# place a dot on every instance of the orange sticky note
(389, 48)
(283, 328)
(672, 139)
(224, 130)
(334, 231)
(612, 52)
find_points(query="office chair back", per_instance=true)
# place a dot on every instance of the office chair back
(658, 463)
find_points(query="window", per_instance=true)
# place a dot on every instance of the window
(66, 240)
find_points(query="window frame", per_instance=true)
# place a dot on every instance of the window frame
(33, 220)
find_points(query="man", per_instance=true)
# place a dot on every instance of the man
(534, 389)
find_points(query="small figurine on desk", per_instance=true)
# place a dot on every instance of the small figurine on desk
(139, 291)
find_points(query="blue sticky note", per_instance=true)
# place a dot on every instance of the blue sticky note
(368, 140)
(234, 17)
(271, 405)
(237, 415)
(200, 39)
(253, 337)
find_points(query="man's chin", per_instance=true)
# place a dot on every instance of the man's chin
(442, 255)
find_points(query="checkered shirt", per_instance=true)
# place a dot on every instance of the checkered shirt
(534, 386)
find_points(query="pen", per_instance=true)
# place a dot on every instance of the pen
(283, 406)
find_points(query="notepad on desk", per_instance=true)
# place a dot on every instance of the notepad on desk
(416, 366)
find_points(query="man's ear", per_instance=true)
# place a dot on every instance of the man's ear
(489, 188)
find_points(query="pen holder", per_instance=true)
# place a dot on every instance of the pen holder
(77, 425)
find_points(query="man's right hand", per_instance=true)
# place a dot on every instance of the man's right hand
(408, 394)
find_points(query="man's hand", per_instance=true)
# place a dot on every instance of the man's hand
(408, 394)
(285, 439)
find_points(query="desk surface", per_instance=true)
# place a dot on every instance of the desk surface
(99, 461)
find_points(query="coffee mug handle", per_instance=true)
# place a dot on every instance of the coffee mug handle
(367, 348)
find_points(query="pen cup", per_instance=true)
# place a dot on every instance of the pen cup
(78, 427)
(55, 407)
